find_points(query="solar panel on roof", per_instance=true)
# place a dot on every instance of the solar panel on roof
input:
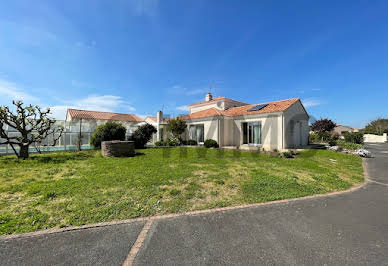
(258, 107)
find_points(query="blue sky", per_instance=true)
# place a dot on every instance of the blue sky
(139, 56)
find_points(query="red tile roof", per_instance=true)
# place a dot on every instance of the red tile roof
(272, 107)
(202, 114)
(214, 100)
(84, 114)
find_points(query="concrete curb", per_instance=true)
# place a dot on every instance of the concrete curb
(191, 213)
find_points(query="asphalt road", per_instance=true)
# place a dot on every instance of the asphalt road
(350, 228)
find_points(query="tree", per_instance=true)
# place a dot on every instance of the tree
(33, 125)
(142, 135)
(106, 132)
(177, 127)
(378, 126)
(323, 125)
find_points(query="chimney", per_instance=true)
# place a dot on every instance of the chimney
(159, 117)
(208, 97)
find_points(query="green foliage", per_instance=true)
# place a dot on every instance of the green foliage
(323, 125)
(106, 132)
(190, 142)
(354, 137)
(319, 137)
(142, 135)
(172, 142)
(159, 143)
(211, 143)
(349, 145)
(177, 127)
(332, 142)
(378, 127)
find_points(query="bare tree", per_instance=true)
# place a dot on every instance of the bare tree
(33, 124)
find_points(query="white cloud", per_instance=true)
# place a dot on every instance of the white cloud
(183, 108)
(103, 103)
(14, 92)
(310, 102)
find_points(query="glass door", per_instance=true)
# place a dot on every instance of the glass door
(251, 133)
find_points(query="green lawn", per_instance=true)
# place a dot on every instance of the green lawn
(76, 188)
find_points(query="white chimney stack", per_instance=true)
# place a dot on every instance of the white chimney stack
(159, 117)
(208, 97)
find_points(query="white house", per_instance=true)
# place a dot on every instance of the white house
(273, 125)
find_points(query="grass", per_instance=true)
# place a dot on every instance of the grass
(76, 188)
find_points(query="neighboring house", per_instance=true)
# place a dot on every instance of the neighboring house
(340, 129)
(89, 120)
(273, 125)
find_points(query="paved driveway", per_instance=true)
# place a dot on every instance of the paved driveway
(350, 228)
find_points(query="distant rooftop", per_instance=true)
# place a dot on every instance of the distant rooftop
(85, 114)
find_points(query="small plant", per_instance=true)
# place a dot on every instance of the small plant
(192, 142)
(211, 143)
(287, 154)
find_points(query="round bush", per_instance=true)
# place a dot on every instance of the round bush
(211, 143)
(108, 131)
(142, 135)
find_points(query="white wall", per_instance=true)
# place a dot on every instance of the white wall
(296, 126)
(271, 131)
(210, 129)
(375, 138)
(218, 105)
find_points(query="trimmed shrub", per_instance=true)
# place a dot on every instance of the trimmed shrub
(192, 142)
(211, 143)
(354, 137)
(142, 135)
(106, 132)
(172, 142)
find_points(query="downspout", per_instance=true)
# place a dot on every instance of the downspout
(219, 133)
(282, 131)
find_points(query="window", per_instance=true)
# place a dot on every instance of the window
(196, 132)
(251, 133)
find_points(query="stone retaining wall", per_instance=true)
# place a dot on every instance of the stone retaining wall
(117, 148)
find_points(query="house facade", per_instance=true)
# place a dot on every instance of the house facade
(274, 125)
